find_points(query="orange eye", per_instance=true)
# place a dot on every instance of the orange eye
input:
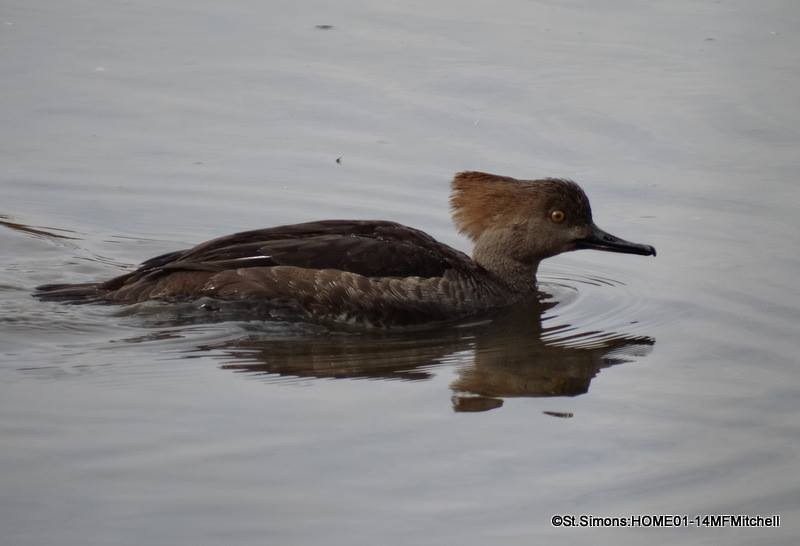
(557, 216)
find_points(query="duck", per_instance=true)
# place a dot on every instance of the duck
(377, 273)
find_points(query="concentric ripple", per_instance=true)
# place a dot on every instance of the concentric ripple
(592, 309)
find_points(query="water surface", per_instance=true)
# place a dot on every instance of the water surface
(637, 385)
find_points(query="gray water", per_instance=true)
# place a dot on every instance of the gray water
(639, 386)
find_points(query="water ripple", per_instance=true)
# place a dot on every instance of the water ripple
(590, 309)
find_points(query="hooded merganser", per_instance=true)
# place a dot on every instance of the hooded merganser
(378, 273)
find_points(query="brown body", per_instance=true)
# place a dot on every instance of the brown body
(378, 273)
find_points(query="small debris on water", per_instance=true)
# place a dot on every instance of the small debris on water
(324, 27)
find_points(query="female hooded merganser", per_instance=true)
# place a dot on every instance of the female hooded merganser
(378, 273)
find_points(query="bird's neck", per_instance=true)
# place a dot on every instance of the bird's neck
(494, 251)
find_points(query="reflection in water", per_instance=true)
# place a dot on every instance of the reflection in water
(505, 356)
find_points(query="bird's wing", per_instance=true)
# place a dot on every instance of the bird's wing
(369, 248)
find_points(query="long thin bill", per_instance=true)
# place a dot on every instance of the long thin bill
(601, 240)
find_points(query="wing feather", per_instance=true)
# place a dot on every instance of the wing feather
(368, 248)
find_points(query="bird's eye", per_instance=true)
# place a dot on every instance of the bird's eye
(557, 216)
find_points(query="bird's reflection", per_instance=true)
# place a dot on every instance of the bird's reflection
(508, 355)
